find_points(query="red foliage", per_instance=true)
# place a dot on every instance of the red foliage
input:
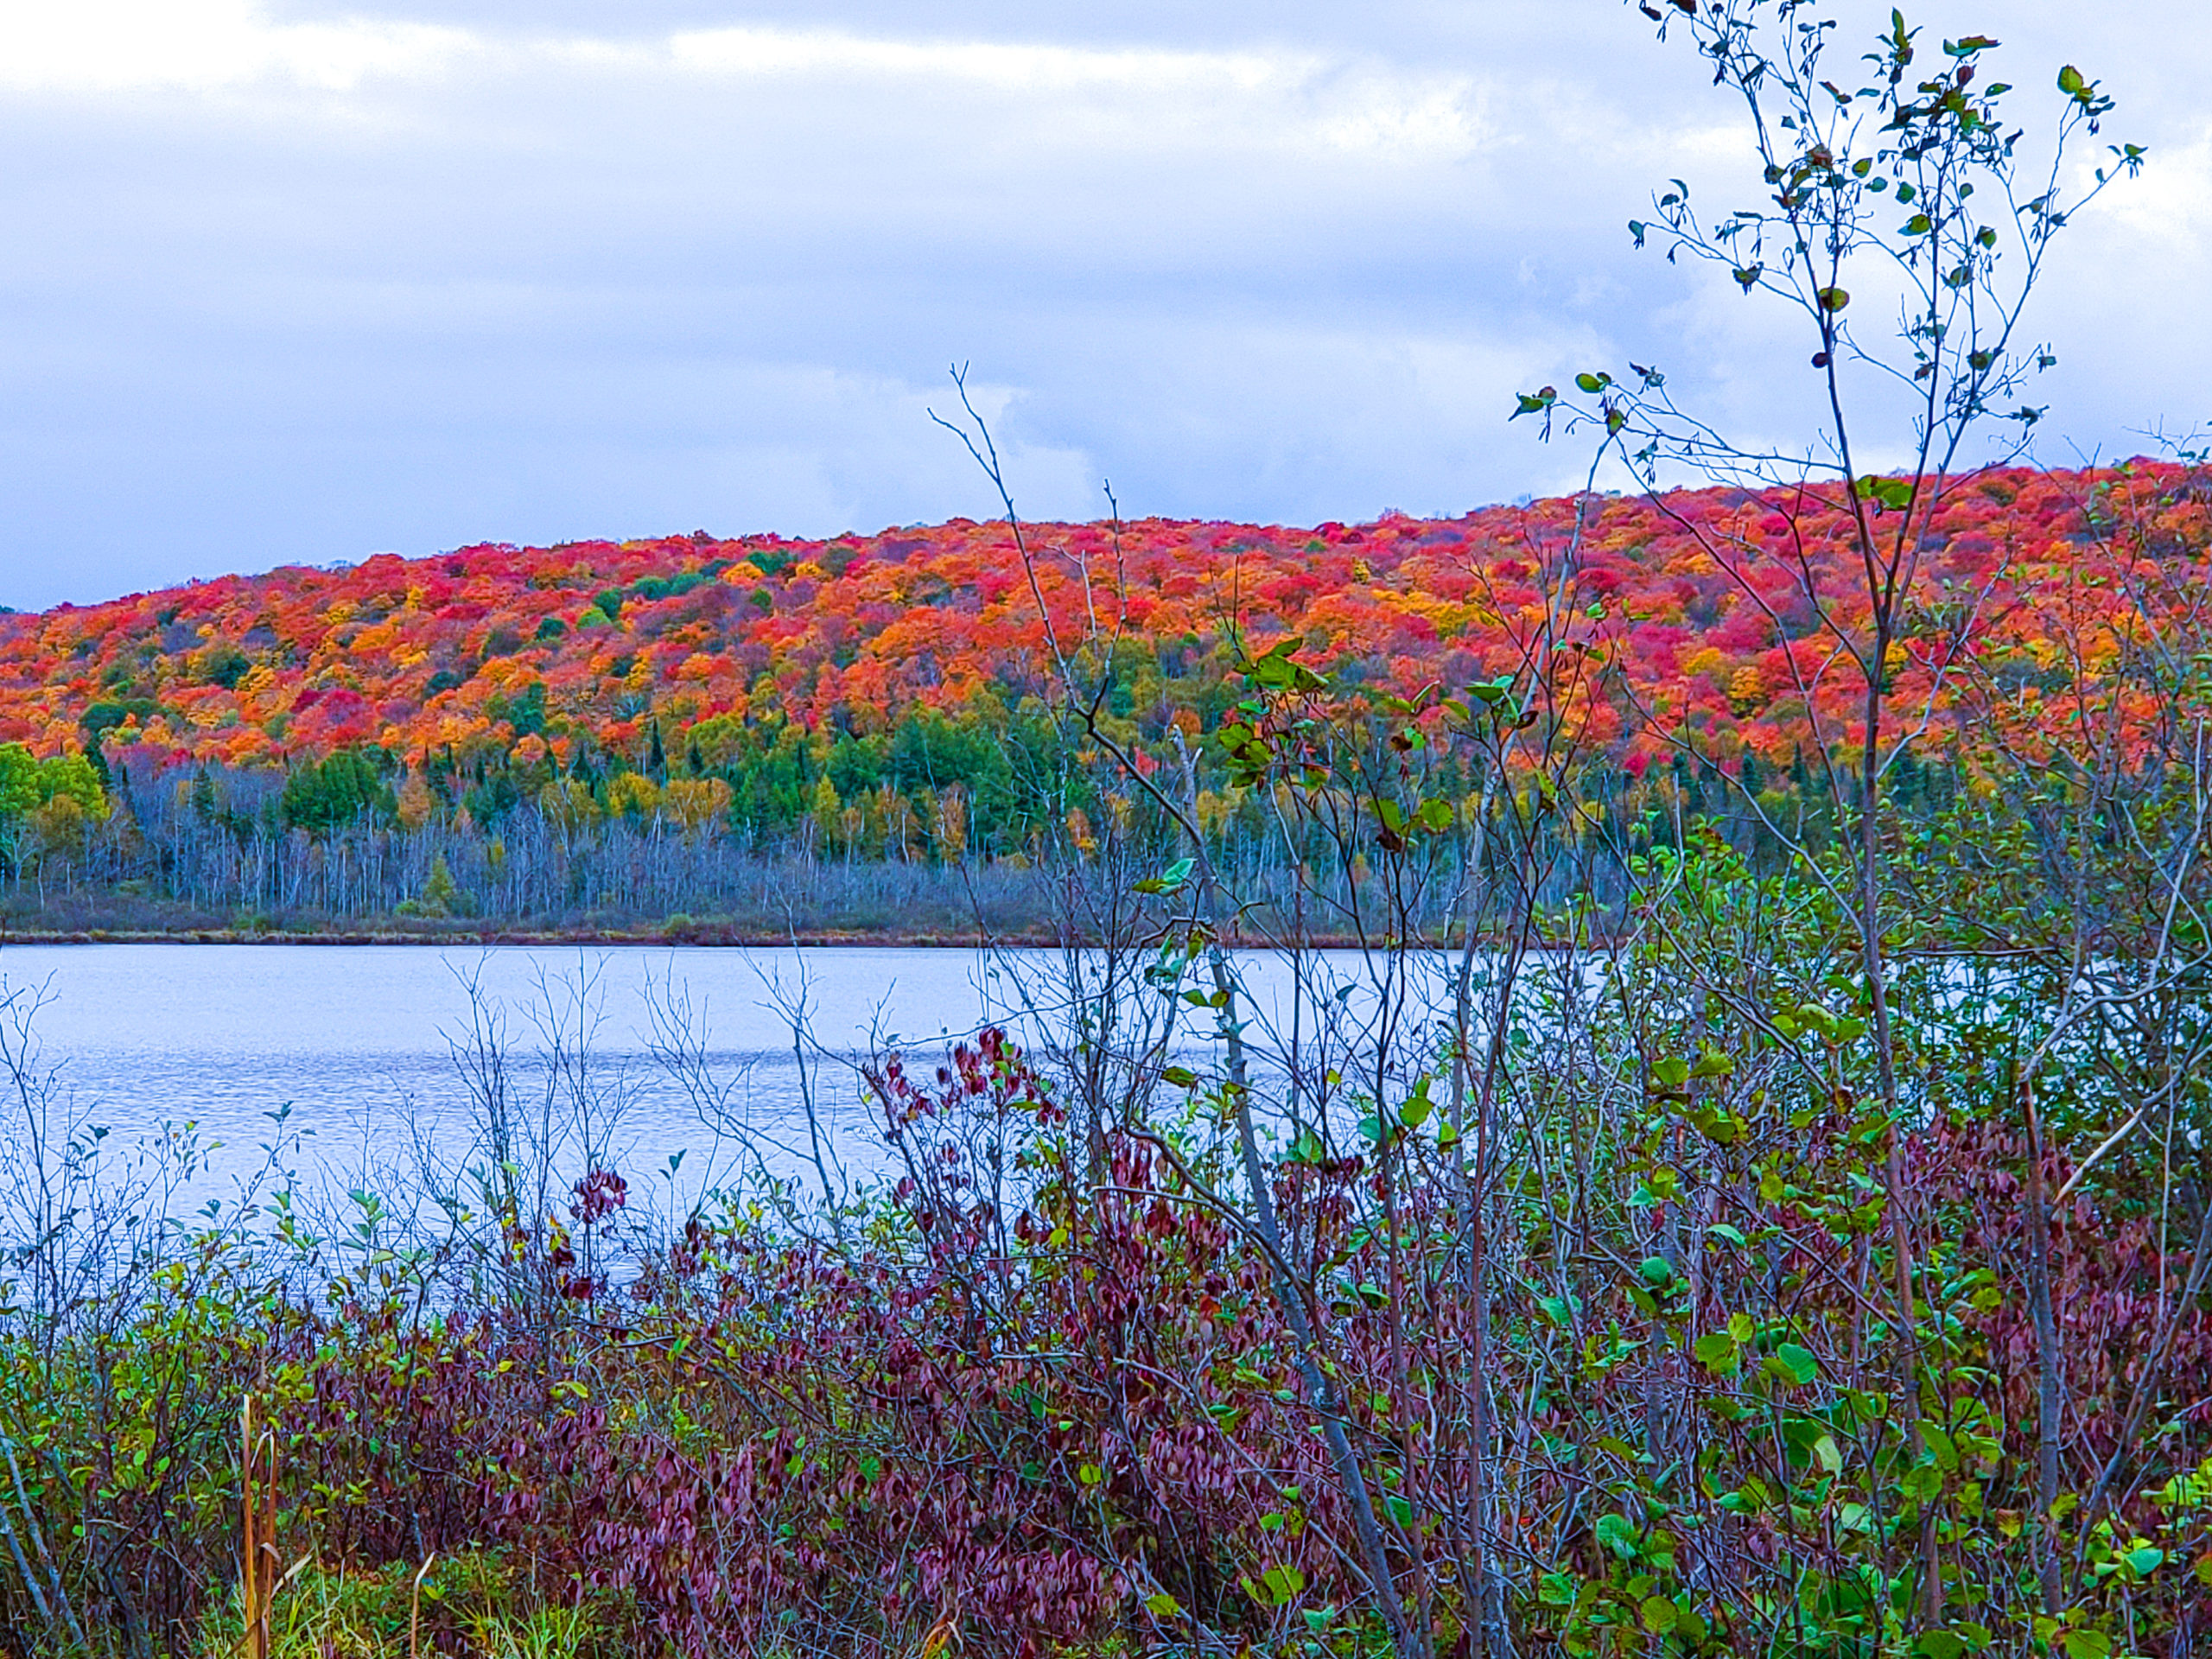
(423, 655)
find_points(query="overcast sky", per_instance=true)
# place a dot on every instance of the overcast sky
(295, 282)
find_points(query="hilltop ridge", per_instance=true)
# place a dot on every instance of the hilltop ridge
(590, 647)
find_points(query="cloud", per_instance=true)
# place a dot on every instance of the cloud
(299, 279)
(109, 47)
(121, 46)
(2170, 205)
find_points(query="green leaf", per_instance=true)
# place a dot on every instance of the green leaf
(1671, 1072)
(1939, 1644)
(1726, 1233)
(2071, 81)
(1833, 299)
(1163, 1605)
(1895, 493)
(1400, 1510)
(1591, 383)
(1658, 1614)
(2145, 1559)
(1415, 1111)
(1616, 1533)
(1657, 1271)
(1716, 1351)
(1801, 1365)
(2087, 1644)
(1713, 1064)
(1940, 1446)
(1180, 1076)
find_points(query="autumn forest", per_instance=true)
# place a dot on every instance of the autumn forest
(607, 736)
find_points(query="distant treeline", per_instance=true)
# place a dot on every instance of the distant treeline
(942, 824)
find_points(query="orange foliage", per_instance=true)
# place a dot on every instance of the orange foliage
(431, 656)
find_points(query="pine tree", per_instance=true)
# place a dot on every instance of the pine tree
(439, 890)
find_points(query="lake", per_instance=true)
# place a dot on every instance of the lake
(358, 1042)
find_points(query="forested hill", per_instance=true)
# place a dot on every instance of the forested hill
(671, 651)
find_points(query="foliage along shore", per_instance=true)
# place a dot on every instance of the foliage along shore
(601, 737)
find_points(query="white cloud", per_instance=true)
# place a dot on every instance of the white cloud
(2170, 204)
(1010, 67)
(1328, 101)
(120, 46)
(291, 279)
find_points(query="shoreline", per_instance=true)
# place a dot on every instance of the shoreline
(534, 937)
(613, 938)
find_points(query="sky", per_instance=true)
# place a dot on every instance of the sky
(291, 282)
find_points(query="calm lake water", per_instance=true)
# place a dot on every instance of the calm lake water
(358, 1043)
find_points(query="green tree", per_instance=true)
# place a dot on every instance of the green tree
(28, 783)
(440, 893)
(330, 794)
(19, 781)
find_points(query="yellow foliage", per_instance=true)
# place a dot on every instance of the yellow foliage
(695, 803)
(416, 802)
(1746, 689)
(895, 817)
(948, 822)
(569, 802)
(1215, 809)
(719, 739)
(826, 809)
(632, 795)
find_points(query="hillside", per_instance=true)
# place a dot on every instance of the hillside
(493, 650)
